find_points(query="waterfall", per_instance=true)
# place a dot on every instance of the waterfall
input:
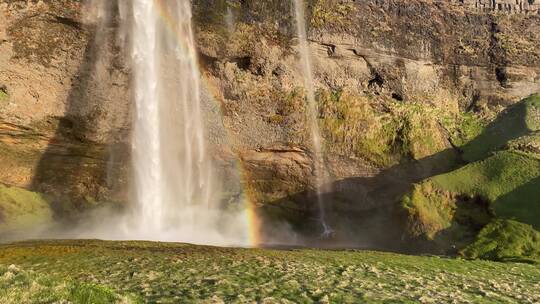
(176, 189)
(306, 66)
(229, 20)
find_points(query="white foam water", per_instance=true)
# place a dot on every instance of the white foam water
(176, 191)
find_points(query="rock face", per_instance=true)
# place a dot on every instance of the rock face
(65, 103)
(401, 86)
(504, 6)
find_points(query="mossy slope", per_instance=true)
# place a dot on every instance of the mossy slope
(520, 120)
(21, 209)
(508, 180)
(502, 181)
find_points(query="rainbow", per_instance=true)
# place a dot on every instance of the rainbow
(250, 210)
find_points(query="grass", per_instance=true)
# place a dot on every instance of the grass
(179, 273)
(387, 132)
(20, 286)
(448, 220)
(430, 211)
(528, 144)
(20, 209)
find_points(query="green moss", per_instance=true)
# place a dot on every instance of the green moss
(462, 127)
(444, 218)
(493, 177)
(3, 95)
(504, 175)
(421, 135)
(507, 179)
(505, 240)
(20, 209)
(519, 120)
(330, 13)
(352, 124)
(451, 207)
(529, 144)
(357, 124)
(521, 203)
(430, 210)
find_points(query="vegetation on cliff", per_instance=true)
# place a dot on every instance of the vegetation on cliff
(387, 132)
(518, 121)
(3, 94)
(502, 181)
(332, 15)
(22, 209)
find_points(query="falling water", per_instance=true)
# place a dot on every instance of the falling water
(305, 60)
(176, 188)
(229, 20)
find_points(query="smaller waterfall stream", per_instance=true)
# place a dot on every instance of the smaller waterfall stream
(306, 66)
(229, 20)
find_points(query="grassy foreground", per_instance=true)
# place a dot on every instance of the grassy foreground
(139, 272)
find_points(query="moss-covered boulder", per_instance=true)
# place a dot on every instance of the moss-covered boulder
(504, 240)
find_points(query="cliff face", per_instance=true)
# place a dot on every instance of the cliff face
(504, 6)
(64, 104)
(401, 86)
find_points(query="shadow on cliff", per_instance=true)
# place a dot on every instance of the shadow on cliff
(509, 125)
(523, 203)
(74, 170)
(366, 212)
